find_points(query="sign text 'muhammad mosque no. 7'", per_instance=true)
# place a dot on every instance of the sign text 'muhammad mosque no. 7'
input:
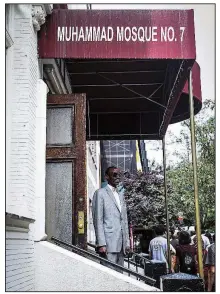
(120, 34)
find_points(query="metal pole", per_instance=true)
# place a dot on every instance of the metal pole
(166, 204)
(194, 161)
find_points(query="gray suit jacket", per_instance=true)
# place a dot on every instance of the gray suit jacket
(111, 225)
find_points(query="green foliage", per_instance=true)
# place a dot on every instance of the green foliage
(181, 176)
(144, 195)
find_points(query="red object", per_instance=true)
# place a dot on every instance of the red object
(195, 81)
(164, 28)
(182, 108)
(109, 71)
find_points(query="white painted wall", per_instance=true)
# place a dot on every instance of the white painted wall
(38, 227)
(25, 146)
(9, 95)
(25, 169)
(19, 260)
(22, 74)
(58, 269)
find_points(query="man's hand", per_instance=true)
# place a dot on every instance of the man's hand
(102, 249)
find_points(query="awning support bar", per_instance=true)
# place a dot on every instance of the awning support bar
(119, 98)
(148, 98)
(116, 72)
(194, 161)
(166, 204)
(116, 85)
(168, 110)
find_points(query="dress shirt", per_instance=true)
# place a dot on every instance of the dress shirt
(115, 193)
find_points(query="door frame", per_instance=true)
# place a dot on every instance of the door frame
(76, 153)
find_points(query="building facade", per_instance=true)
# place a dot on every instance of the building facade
(127, 155)
(119, 153)
(143, 156)
(40, 180)
(29, 81)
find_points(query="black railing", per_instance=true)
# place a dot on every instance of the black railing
(142, 262)
(127, 259)
(86, 253)
(91, 245)
(138, 260)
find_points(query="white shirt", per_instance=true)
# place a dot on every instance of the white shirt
(158, 249)
(115, 193)
(205, 240)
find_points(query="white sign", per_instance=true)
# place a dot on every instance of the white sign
(119, 34)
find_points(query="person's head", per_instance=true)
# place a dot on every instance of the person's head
(184, 238)
(159, 230)
(172, 233)
(112, 176)
(208, 235)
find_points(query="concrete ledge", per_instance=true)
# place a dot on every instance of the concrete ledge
(58, 269)
(14, 221)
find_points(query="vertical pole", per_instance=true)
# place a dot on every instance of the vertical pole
(166, 204)
(131, 238)
(194, 161)
(100, 166)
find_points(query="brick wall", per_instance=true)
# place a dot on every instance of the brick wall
(22, 102)
(21, 88)
(38, 227)
(20, 268)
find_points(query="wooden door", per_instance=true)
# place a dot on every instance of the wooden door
(66, 201)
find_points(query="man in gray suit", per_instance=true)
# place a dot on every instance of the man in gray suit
(110, 219)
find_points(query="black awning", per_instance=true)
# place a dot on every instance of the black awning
(131, 99)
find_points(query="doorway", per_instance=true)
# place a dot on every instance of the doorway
(66, 200)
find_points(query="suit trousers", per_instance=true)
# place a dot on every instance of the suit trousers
(115, 257)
